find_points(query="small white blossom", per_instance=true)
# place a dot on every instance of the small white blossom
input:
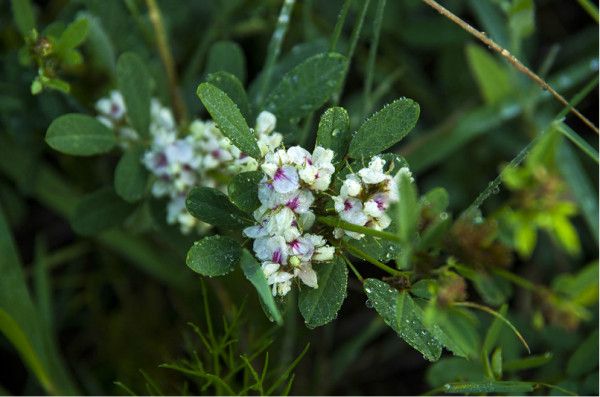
(365, 197)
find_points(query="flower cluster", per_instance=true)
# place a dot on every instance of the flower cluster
(364, 198)
(112, 112)
(203, 156)
(286, 194)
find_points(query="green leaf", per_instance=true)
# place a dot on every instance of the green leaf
(321, 305)
(131, 176)
(134, 82)
(401, 313)
(334, 132)
(585, 358)
(379, 248)
(384, 128)
(212, 206)
(23, 16)
(453, 369)
(528, 362)
(408, 208)
(307, 87)
(72, 36)
(80, 135)
(234, 89)
(228, 118)
(456, 332)
(243, 190)
(254, 273)
(491, 386)
(497, 363)
(214, 255)
(99, 211)
(226, 56)
(21, 323)
(493, 332)
(491, 76)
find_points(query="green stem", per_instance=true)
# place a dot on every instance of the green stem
(497, 315)
(353, 41)
(372, 55)
(590, 8)
(336, 222)
(337, 31)
(167, 59)
(364, 256)
(283, 22)
(354, 270)
(515, 279)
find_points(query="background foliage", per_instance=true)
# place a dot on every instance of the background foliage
(93, 304)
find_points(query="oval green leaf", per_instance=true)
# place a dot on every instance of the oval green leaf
(212, 206)
(131, 176)
(99, 211)
(334, 133)
(307, 87)
(134, 82)
(79, 135)
(243, 190)
(254, 273)
(228, 118)
(401, 313)
(321, 305)
(384, 128)
(230, 85)
(214, 255)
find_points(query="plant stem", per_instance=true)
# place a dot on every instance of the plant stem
(336, 222)
(339, 25)
(372, 55)
(363, 255)
(590, 8)
(283, 22)
(354, 270)
(497, 315)
(167, 59)
(516, 279)
(510, 58)
(353, 41)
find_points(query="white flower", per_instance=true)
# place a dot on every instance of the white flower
(280, 222)
(272, 249)
(265, 123)
(299, 156)
(350, 210)
(112, 108)
(365, 197)
(306, 273)
(315, 170)
(351, 186)
(285, 179)
(374, 173)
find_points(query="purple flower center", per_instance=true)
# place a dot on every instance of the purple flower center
(294, 203)
(243, 155)
(380, 203)
(348, 205)
(295, 245)
(294, 223)
(160, 160)
(279, 174)
(277, 257)
(114, 109)
(216, 153)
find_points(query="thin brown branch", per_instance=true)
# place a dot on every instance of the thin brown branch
(167, 59)
(510, 58)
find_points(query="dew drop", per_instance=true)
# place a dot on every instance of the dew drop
(369, 304)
